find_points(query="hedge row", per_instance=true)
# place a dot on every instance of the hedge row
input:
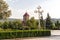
(24, 33)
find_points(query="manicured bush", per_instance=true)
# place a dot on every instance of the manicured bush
(23, 33)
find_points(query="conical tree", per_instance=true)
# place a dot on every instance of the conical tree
(49, 23)
(42, 22)
(4, 10)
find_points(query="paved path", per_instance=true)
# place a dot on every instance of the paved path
(38, 38)
(55, 32)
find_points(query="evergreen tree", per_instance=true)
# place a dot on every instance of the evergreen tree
(4, 10)
(49, 23)
(57, 24)
(42, 22)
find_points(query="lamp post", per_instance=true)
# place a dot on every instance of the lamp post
(39, 11)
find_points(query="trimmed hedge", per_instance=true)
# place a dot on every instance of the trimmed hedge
(23, 33)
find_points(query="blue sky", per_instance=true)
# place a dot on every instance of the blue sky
(19, 7)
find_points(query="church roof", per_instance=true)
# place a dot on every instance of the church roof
(26, 14)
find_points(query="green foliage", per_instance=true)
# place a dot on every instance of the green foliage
(23, 33)
(42, 22)
(32, 23)
(49, 24)
(17, 24)
(1, 24)
(5, 25)
(4, 11)
(11, 24)
(57, 24)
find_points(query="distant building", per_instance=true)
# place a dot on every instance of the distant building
(25, 18)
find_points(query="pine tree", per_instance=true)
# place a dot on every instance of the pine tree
(4, 10)
(49, 23)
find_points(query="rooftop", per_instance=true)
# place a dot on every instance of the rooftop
(26, 14)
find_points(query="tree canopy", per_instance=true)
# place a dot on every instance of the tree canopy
(4, 10)
(32, 23)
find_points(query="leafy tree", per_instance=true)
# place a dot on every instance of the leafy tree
(12, 24)
(4, 10)
(49, 23)
(5, 25)
(32, 23)
(17, 24)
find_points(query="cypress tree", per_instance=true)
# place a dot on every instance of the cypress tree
(49, 24)
(42, 22)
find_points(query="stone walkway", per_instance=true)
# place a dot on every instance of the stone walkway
(37, 38)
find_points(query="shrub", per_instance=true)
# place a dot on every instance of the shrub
(23, 33)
